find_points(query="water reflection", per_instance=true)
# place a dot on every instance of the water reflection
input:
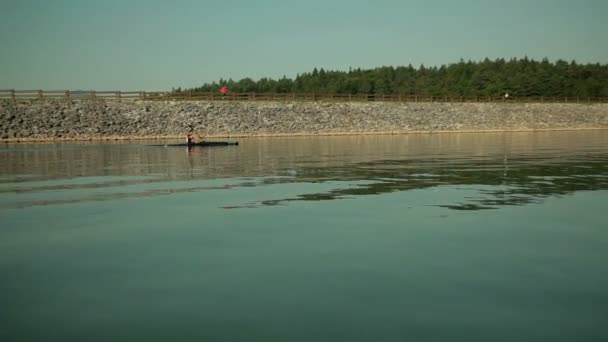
(502, 169)
(515, 181)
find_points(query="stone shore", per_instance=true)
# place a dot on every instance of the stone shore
(97, 120)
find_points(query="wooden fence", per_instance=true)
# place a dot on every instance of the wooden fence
(34, 95)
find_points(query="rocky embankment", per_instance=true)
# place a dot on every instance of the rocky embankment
(47, 120)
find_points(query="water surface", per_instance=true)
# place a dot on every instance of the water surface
(413, 237)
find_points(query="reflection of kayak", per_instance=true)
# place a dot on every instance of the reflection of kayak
(205, 144)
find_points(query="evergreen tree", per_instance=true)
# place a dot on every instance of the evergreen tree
(518, 77)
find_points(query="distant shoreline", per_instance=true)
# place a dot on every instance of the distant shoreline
(245, 136)
(108, 121)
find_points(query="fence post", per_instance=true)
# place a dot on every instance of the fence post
(13, 95)
(40, 94)
(93, 94)
(119, 95)
(67, 94)
(142, 95)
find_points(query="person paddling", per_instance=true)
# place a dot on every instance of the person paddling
(193, 138)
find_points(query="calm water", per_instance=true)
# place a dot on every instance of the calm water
(468, 237)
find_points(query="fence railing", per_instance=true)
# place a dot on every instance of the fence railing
(33, 95)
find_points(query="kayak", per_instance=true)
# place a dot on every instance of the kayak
(204, 144)
(207, 144)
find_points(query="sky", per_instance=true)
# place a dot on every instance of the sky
(159, 45)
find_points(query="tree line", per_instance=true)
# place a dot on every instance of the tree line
(517, 77)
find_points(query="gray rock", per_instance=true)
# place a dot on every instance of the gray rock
(234, 118)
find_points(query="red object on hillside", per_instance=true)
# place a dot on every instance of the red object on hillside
(224, 90)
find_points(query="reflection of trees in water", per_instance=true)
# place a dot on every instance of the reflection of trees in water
(498, 171)
(517, 181)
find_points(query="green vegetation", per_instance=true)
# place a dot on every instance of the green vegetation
(518, 77)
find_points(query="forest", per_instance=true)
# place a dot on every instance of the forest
(518, 77)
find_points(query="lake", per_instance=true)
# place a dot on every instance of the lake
(424, 237)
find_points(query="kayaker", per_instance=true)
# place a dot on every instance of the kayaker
(190, 138)
(193, 138)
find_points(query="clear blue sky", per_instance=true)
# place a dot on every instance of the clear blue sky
(156, 45)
